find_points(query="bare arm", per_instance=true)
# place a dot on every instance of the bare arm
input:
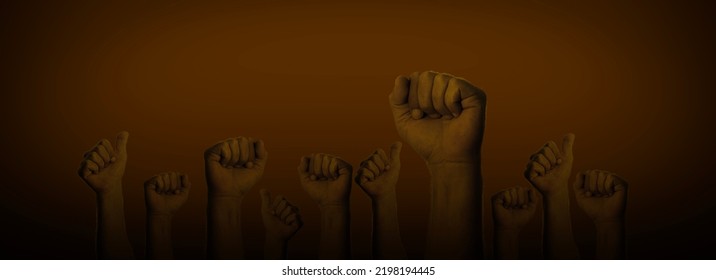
(442, 118)
(603, 196)
(233, 167)
(327, 179)
(164, 194)
(512, 209)
(102, 170)
(378, 176)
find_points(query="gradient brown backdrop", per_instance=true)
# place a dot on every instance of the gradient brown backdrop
(632, 81)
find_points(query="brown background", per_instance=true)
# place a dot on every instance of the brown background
(632, 81)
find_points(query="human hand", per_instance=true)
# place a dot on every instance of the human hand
(326, 178)
(601, 194)
(281, 219)
(440, 116)
(549, 168)
(103, 167)
(378, 174)
(513, 208)
(165, 193)
(234, 165)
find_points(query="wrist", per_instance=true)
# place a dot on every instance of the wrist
(507, 231)
(388, 197)
(109, 190)
(153, 214)
(561, 193)
(276, 239)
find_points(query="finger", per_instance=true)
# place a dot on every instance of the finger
(280, 207)
(110, 148)
(265, 199)
(244, 151)
(159, 183)
(333, 169)
(579, 186)
(291, 219)
(104, 153)
(601, 178)
(368, 174)
(122, 139)
(531, 198)
(425, 90)
(94, 156)
(326, 166)
(185, 183)
(439, 86)
(567, 145)
(317, 163)
(552, 153)
(609, 183)
(542, 160)
(303, 167)
(235, 152)
(413, 104)
(619, 183)
(380, 159)
(399, 97)
(175, 181)
(521, 197)
(226, 153)
(151, 184)
(534, 169)
(373, 168)
(251, 153)
(395, 153)
(261, 153)
(92, 167)
(277, 202)
(286, 211)
(498, 199)
(592, 182)
(343, 167)
(453, 101)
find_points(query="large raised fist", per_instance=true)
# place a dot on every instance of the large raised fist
(103, 167)
(326, 178)
(440, 116)
(234, 165)
(165, 193)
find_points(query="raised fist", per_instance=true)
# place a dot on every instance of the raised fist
(103, 167)
(601, 194)
(234, 165)
(326, 178)
(166, 193)
(440, 116)
(549, 168)
(378, 174)
(513, 208)
(280, 217)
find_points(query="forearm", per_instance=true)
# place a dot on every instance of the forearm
(387, 243)
(558, 237)
(507, 244)
(159, 236)
(335, 232)
(455, 225)
(610, 240)
(224, 228)
(112, 240)
(275, 248)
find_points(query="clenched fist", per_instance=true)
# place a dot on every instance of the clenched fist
(440, 116)
(234, 166)
(103, 167)
(601, 194)
(513, 208)
(326, 178)
(378, 174)
(550, 167)
(280, 217)
(166, 193)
